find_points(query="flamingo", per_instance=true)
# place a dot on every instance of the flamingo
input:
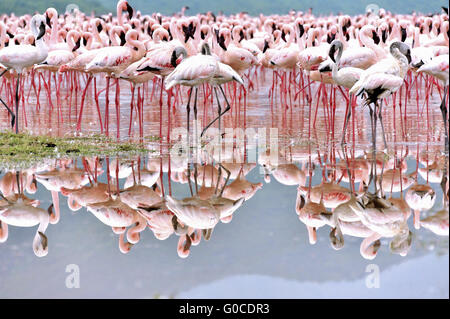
(20, 214)
(343, 76)
(439, 68)
(224, 74)
(437, 223)
(19, 57)
(382, 79)
(113, 60)
(192, 71)
(118, 215)
(420, 197)
(386, 220)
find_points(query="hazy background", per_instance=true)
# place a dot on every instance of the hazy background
(253, 7)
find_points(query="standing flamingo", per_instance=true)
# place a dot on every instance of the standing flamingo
(19, 57)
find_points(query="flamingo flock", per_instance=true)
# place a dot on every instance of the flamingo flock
(380, 57)
(296, 62)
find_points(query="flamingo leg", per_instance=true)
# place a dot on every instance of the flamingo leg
(17, 102)
(219, 113)
(13, 116)
(347, 118)
(226, 180)
(188, 109)
(372, 169)
(83, 97)
(195, 134)
(381, 123)
(219, 175)
(444, 116)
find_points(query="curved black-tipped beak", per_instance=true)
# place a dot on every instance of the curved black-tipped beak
(192, 30)
(85, 41)
(99, 28)
(384, 36)
(403, 33)
(222, 42)
(122, 39)
(301, 29)
(148, 69)
(331, 37)
(242, 36)
(41, 31)
(283, 36)
(10, 35)
(332, 52)
(325, 68)
(408, 56)
(375, 37)
(47, 20)
(266, 46)
(173, 59)
(44, 240)
(130, 11)
(302, 202)
(77, 45)
(186, 33)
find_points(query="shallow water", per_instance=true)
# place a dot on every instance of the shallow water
(264, 251)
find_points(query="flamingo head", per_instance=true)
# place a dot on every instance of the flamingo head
(401, 243)
(40, 244)
(49, 14)
(124, 5)
(38, 25)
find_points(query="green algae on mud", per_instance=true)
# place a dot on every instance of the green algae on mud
(23, 150)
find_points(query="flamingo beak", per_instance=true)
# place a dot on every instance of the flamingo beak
(222, 42)
(241, 34)
(375, 37)
(332, 52)
(301, 29)
(122, 39)
(408, 56)
(99, 28)
(47, 20)
(283, 36)
(77, 45)
(384, 35)
(41, 31)
(302, 202)
(403, 32)
(44, 240)
(129, 10)
(266, 46)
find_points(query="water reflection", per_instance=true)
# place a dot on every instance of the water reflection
(370, 195)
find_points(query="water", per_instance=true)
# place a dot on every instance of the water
(264, 251)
